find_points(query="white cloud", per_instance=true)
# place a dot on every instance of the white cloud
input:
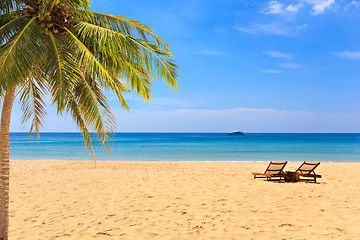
(277, 8)
(348, 55)
(271, 71)
(355, 3)
(294, 8)
(352, 4)
(319, 6)
(213, 53)
(290, 65)
(278, 54)
(275, 28)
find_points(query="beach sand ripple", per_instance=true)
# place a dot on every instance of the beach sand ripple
(177, 200)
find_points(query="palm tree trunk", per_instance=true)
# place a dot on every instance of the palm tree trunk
(4, 163)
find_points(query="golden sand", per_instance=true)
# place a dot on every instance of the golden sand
(176, 200)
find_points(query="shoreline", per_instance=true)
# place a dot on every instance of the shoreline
(170, 161)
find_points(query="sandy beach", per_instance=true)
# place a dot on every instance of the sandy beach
(53, 199)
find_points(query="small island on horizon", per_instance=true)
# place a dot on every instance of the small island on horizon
(237, 133)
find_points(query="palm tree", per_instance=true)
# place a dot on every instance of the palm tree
(61, 49)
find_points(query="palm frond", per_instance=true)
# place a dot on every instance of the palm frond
(158, 60)
(4, 18)
(92, 102)
(20, 53)
(76, 4)
(120, 55)
(88, 61)
(78, 116)
(116, 88)
(61, 69)
(46, 6)
(136, 52)
(121, 24)
(10, 27)
(32, 94)
(135, 75)
(6, 6)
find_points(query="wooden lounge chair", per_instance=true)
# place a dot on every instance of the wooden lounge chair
(306, 170)
(274, 170)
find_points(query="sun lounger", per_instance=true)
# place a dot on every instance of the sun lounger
(306, 170)
(274, 170)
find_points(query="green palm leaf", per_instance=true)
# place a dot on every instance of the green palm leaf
(77, 114)
(18, 55)
(76, 4)
(149, 55)
(88, 61)
(123, 62)
(61, 69)
(6, 6)
(9, 28)
(121, 24)
(98, 114)
(32, 101)
(48, 5)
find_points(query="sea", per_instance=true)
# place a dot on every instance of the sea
(324, 147)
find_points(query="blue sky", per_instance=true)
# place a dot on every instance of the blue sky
(257, 66)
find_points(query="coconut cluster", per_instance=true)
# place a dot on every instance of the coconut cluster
(55, 21)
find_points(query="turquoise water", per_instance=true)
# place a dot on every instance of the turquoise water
(193, 147)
